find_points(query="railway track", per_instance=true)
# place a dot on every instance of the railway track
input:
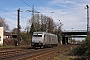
(31, 54)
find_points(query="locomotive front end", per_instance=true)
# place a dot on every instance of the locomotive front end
(37, 40)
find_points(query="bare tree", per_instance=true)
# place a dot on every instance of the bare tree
(3, 24)
(50, 24)
(39, 22)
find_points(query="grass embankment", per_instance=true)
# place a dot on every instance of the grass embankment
(64, 55)
(7, 46)
(82, 52)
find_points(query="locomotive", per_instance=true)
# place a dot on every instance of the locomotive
(44, 39)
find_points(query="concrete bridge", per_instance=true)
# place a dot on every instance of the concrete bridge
(71, 34)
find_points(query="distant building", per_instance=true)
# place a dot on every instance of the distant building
(1, 36)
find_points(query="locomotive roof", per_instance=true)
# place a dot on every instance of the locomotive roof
(44, 33)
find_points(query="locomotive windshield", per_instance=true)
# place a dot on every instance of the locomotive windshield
(37, 35)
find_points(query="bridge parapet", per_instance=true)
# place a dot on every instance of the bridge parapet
(74, 31)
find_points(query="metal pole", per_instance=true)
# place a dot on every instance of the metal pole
(33, 12)
(87, 18)
(18, 26)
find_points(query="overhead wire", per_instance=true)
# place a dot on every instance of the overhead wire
(28, 5)
(13, 13)
(43, 5)
(75, 11)
(8, 12)
(63, 11)
(31, 7)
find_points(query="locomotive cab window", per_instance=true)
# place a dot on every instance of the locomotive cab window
(37, 35)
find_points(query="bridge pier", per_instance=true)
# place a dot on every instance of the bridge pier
(64, 40)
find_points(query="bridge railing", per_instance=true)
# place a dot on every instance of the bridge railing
(74, 31)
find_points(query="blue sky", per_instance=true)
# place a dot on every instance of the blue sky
(71, 13)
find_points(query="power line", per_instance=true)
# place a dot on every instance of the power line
(8, 11)
(25, 3)
(11, 3)
(20, 11)
(28, 5)
(44, 6)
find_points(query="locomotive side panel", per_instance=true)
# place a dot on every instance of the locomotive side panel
(50, 40)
